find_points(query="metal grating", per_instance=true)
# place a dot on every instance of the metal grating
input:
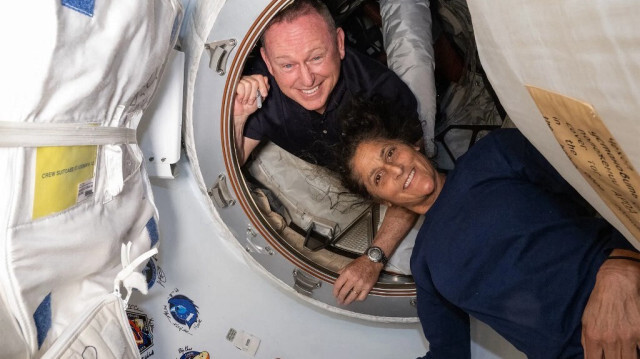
(358, 237)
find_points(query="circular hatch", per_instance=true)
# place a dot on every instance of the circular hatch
(291, 217)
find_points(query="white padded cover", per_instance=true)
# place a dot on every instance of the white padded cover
(73, 66)
(406, 26)
(585, 56)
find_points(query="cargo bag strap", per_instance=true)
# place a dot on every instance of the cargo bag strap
(130, 277)
(32, 134)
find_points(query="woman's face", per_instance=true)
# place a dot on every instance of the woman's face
(397, 174)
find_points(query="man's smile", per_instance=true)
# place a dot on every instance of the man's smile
(311, 91)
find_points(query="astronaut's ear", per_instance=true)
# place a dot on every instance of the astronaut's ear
(265, 57)
(340, 42)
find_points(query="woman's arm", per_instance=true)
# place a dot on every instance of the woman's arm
(611, 319)
(445, 326)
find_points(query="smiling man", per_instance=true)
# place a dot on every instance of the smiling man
(304, 77)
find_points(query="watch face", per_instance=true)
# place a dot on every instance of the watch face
(375, 254)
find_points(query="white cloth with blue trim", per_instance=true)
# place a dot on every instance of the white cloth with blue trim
(89, 68)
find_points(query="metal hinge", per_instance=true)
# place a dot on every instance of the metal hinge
(252, 246)
(304, 283)
(219, 52)
(220, 193)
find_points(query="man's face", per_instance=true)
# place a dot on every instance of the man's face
(304, 58)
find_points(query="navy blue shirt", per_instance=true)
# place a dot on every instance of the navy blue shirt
(313, 136)
(511, 243)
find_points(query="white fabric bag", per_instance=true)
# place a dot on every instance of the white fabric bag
(75, 84)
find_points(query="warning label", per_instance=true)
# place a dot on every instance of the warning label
(64, 177)
(595, 153)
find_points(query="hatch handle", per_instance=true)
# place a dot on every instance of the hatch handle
(304, 283)
(219, 52)
(220, 193)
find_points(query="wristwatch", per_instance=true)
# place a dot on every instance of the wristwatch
(376, 255)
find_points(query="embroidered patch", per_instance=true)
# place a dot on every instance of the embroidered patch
(182, 312)
(142, 328)
(192, 354)
(152, 228)
(82, 6)
(42, 318)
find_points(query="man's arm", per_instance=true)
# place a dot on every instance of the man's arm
(359, 276)
(611, 319)
(248, 145)
(245, 103)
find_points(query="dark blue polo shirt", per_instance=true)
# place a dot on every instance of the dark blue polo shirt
(313, 136)
(511, 243)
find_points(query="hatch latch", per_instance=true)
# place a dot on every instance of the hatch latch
(304, 283)
(219, 52)
(220, 193)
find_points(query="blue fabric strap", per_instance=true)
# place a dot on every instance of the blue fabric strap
(83, 6)
(42, 318)
(152, 228)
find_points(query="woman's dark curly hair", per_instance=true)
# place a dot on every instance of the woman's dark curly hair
(365, 120)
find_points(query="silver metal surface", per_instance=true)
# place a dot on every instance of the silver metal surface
(252, 243)
(219, 52)
(304, 283)
(220, 193)
(259, 99)
(359, 236)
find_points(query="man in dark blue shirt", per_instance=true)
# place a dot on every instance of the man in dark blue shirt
(306, 76)
(311, 135)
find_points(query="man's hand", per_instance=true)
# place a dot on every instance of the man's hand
(356, 280)
(247, 92)
(611, 319)
(245, 103)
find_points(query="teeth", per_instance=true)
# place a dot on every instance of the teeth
(409, 179)
(309, 92)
